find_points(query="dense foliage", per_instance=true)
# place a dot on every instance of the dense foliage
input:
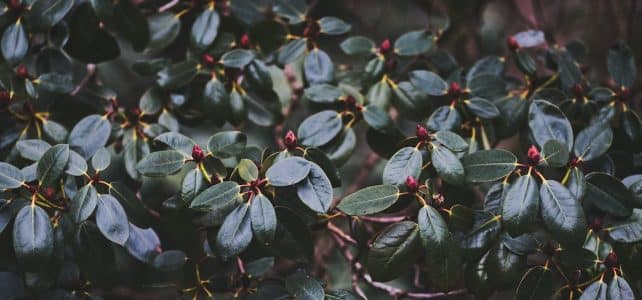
(111, 200)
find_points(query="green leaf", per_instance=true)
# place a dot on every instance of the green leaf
(618, 288)
(406, 162)
(14, 43)
(394, 251)
(112, 219)
(320, 128)
(263, 219)
(33, 238)
(451, 140)
(83, 203)
(379, 120)
(192, 184)
(287, 172)
(318, 67)
(131, 24)
(576, 183)
(10, 177)
(414, 43)
(609, 194)
(161, 163)
(488, 165)
(153, 101)
(593, 141)
(291, 51)
(562, 213)
(237, 58)
(85, 30)
(447, 165)
(32, 149)
(340, 295)
(216, 196)
(54, 131)
(555, 154)
(134, 207)
(171, 260)
(621, 64)
(433, 231)
(134, 151)
(55, 83)
(380, 94)
(444, 118)
(101, 159)
(52, 164)
(525, 63)
(292, 10)
(569, 70)
(235, 234)
(316, 190)
(177, 142)
(205, 29)
(521, 204)
(89, 135)
(177, 75)
(323, 93)
(47, 13)
(487, 86)
(227, 144)
(163, 30)
(358, 45)
(482, 108)
(369, 200)
(303, 286)
(333, 26)
(504, 267)
(632, 126)
(537, 283)
(595, 291)
(548, 122)
(428, 83)
(247, 170)
(491, 64)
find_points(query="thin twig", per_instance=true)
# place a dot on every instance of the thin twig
(91, 70)
(336, 230)
(384, 219)
(167, 6)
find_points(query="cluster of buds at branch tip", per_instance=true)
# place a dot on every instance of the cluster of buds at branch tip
(578, 90)
(512, 43)
(533, 155)
(385, 46)
(208, 60)
(49, 193)
(422, 133)
(412, 185)
(290, 140)
(5, 97)
(611, 260)
(244, 41)
(22, 72)
(454, 89)
(16, 5)
(197, 153)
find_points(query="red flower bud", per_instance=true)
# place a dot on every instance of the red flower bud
(578, 89)
(22, 72)
(245, 41)
(385, 46)
(422, 133)
(625, 93)
(290, 140)
(512, 43)
(454, 89)
(49, 193)
(411, 184)
(208, 60)
(533, 155)
(5, 96)
(16, 5)
(611, 260)
(197, 153)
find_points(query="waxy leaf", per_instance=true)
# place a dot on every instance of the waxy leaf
(414, 43)
(263, 219)
(451, 140)
(482, 108)
(537, 283)
(595, 291)
(133, 206)
(101, 159)
(547, 122)
(406, 162)
(247, 170)
(83, 203)
(316, 190)
(14, 43)
(433, 230)
(428, 83)
(52, 164)
(358, 45)
(177, 142)
(161, 163)
(370, 200)
(318, 67)
(287, 172)
(444, 118)
(521, 204)
(488, 165)
(621, 64)
(10, 176)
(323, 93)
(237, 58)
(554, 154)
(618, 288)
(333, 26)
(235, 234)
(47, 13)
(33, 237)
(293, 10)
(394, 251)
(171, 260)
(216, 196)
(89, 135)
(609, 194)
(227, 144)
(205, 29)
(320, 128)
(304, 287)
(85, 29)
(593, 141)
(562, 213)
(112, 219)
(447, 165)
(291, 51)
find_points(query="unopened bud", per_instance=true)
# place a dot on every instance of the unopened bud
(454, 89)
(611, 260)
(512, 43)
(422, 133)
(412, 185)
(290, 140)
(533, 155)
(22, 72)
(208, 60)
(245, 41)
(385, 46)
(197, 153)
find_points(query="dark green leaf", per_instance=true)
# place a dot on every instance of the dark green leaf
(487, 86)
(618, 288)
(433, 231)
(593, 141)
(562, 213)
(171, 260)
(358, 45)
(303, 286)
(380, 94)
(394, 251)
(247, 170)
(101, 159)
(205, 29)
(227, 144)
(320, 128)
(112, 219)
(504, 267)
(333, 26)
(134, 207)
(134, 151)
(369, 200)
(177, 75)
(537, 283)
(576, 183)
(14, 43)
(488, 65)
(163, 30)
(83, 203)
(33, 236)
(89, 135)
(609, 194)
(287, 172)
(323, 93)
(447, 165)
(555, 154)
(444, 118)
(627, 231)
(161, 163)
(153, 101)
(177, 142)
(521, 204)
(621, 65)
(428, 83)
(10, 176)
(237, 58)
(451, 140)
(489, 165)
(263, 219)
(482, 108)
(235, 234)
(547, 122)
(406, 162)
(414, 43)
(595, 291)
(291, 51)
(52, 164)
(216, 196)
(316, 190)
(318, 67)
(46, 13)
(632, 126)
(131, 24)
(86, 30)
(293, 10)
